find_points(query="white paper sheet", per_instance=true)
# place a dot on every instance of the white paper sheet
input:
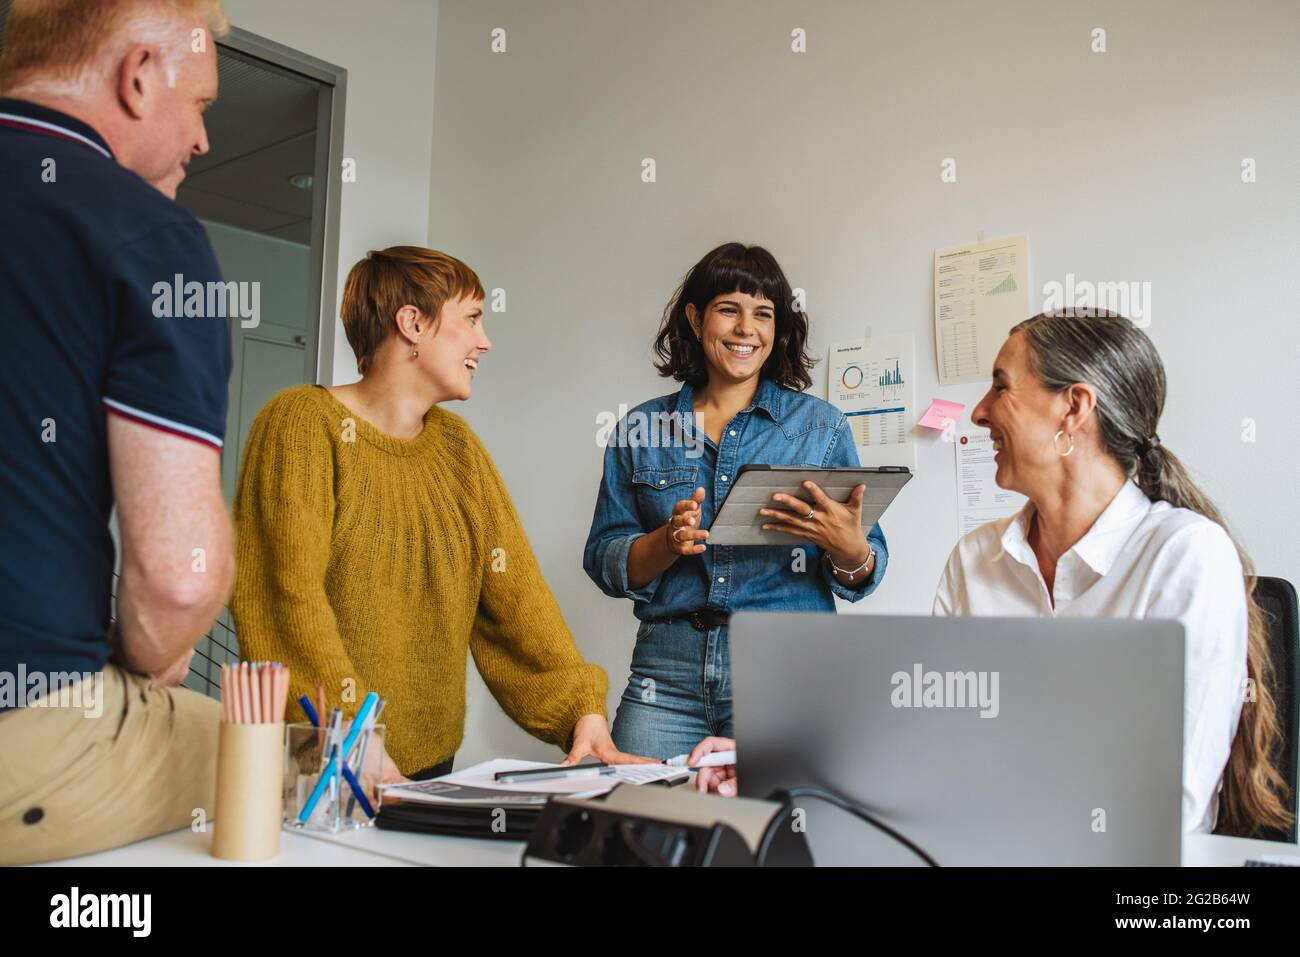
(979, 499)
(481, 777)
(981, 290)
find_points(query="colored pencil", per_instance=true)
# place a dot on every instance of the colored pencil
(254, 692)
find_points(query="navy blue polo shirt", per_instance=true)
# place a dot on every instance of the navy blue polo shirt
(86, 331)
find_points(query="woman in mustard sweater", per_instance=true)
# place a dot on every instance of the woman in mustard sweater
(377, 545)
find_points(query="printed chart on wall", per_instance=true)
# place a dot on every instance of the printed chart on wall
(870, 381)
(980, 291)
(979, 499)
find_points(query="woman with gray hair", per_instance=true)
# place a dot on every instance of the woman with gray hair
(1116, 528)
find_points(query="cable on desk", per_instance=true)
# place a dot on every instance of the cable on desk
(785, 797)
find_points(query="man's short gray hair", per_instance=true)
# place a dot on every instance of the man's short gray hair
(67, 47)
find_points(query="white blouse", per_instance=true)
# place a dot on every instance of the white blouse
(1140, 559)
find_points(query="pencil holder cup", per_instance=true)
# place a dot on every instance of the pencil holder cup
(249, 784)
(317, 795)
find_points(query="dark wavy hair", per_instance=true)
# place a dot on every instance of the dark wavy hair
(734, 267)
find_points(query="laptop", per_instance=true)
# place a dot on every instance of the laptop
(983, 741)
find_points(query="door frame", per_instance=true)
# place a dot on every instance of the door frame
(319, 351)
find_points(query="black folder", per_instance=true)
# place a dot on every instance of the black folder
(458, 821)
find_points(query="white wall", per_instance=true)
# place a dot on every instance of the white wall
(387, 47)
(1120, 166)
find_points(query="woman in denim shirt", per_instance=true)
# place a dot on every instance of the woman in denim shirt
(731, 335)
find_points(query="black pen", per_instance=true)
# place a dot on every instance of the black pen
(559, 771)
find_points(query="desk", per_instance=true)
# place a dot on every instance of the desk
(1210, 850)
(375, 848)
(186, 848)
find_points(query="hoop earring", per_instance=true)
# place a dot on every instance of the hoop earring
(1057, 438)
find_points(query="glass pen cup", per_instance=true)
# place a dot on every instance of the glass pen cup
(335, 805)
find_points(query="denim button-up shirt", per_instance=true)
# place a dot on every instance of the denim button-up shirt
(657, 456)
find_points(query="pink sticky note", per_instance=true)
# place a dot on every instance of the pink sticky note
(941, 413)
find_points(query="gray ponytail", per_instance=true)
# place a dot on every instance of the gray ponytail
(1109, 353)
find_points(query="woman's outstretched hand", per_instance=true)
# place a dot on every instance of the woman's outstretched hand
(591, 737)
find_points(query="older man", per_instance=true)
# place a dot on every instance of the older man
(104, 401)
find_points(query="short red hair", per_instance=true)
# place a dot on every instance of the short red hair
(386, 280)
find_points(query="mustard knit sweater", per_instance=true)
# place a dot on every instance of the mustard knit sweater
(370, 563)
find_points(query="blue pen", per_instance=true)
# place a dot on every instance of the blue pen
(336, 736)
(334, 778)
(361, 748)
(356, 789)
(305, 702)
(331, 769)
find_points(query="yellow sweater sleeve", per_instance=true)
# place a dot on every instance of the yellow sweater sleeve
(521, 645)
(284, 512)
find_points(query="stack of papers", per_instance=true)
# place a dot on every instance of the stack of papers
(477, 787)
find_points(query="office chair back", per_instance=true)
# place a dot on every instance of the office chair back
(1277, 598)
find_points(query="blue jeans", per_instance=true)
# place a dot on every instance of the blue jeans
(679, 691)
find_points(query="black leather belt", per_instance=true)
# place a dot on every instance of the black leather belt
(708, 619)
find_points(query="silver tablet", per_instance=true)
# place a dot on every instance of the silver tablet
(738, 521)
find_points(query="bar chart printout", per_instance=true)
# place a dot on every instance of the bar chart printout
(870, 381)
